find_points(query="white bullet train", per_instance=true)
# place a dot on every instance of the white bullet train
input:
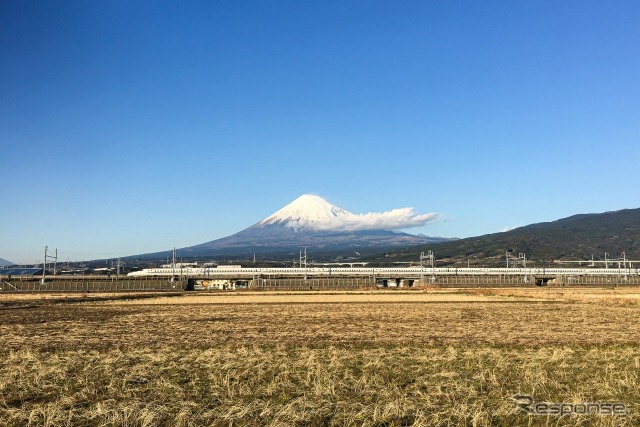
(236, 271)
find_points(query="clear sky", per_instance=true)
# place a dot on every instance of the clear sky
(134, 126)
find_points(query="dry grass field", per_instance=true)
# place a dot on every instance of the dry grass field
(441, 357)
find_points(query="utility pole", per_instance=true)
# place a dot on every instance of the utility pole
(44, 265)
(173, 265)
(118, 265)
(303, 257)
(304, 260)
(523, 257)
(430, 256)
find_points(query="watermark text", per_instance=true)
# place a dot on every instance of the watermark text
(527, 404)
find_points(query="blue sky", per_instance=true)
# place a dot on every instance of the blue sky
(129, 127)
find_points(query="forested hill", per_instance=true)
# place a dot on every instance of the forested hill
(573, 238)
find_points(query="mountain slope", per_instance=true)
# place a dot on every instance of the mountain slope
(4, 262)
(307, 221)
(315, 223)
(573, 238)
(282, 238)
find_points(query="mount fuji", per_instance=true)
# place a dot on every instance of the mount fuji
(5, 263)
(315, 223)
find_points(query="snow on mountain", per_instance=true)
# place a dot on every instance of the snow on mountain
(307, 210)
(312, 212)
(310, 221)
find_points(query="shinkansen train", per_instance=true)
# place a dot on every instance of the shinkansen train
(239, 271)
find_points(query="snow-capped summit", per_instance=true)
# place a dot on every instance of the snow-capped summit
(311, 221)
(307, 211)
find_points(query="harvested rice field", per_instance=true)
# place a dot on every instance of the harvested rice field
(435, 357)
